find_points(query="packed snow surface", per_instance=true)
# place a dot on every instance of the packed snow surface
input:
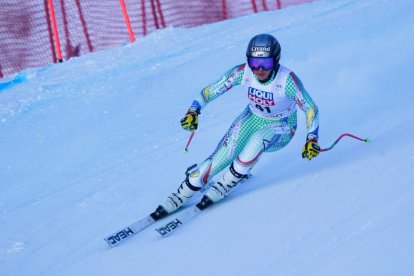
(93, 144)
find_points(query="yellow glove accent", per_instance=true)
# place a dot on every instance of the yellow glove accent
(311, 149)
(190, 120)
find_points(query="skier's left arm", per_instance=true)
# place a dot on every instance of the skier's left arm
(296, 90)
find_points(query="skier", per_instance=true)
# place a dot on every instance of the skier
(267, 124)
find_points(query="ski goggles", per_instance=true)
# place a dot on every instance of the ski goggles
(266, 63)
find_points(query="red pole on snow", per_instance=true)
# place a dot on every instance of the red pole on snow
(160, 14)
(264, 5)
(154, 15)
(55, 30)
(50, 32)
(224, 9)
(278, 4)
(128, 23)
(144, 18)
(254, 5)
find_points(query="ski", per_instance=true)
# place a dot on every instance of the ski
(176, 223)
(171, 226)
(129, 231)
(123, 234)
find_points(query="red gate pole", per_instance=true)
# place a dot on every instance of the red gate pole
(224, 9)
(128, 23)
(254, 5)
(50, 32)
(278, 4)
(160, 14)
(264, 5)
(154, 15)
(55, 30)
(144, 18)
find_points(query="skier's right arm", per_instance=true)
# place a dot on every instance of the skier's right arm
(232, 77)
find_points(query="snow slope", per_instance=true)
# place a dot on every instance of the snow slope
(91, 145)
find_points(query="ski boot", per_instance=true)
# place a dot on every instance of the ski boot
(184, 192)
(221, 188)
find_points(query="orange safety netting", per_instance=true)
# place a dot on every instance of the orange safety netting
(26, 27)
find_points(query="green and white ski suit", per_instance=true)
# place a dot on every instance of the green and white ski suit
(267, 124)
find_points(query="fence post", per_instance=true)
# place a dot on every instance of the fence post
(254, 5)
(50, 32)
(144, 18)
(55, 30)
(224, 9)
(264, 5)
(154, 15)
(278, 4)
(128, 23)
(160, 14)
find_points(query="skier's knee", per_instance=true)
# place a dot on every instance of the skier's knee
(198, 175)
(242, 167)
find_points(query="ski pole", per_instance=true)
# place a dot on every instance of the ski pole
(189, 141)
(343, 135)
